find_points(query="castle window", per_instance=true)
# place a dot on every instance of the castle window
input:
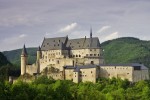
(59, 40)
(79, 55)
(58, 62)
(58, 44)
(127, 73)
(90, 49)
(98, 54)
(75, 75)
(91, 72)
(54, 45)
(94, 54)
(76, 55)
(86, 54)
(91, 54)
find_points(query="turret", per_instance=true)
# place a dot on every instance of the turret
(24, 57)
(39, 53)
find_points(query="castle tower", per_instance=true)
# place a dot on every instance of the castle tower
(39, 56)
(24, 57)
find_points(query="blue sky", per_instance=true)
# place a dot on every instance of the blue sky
(29, 21)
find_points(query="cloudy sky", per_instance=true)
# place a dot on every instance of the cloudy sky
(29, 21)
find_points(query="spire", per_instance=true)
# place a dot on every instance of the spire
(91, 37)
(24, 51)
(39, 48)
(91, 33)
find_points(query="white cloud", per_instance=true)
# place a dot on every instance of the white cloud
(15, 39)
(68, 27)
(104, 28)
(22, 35)
(112, 36)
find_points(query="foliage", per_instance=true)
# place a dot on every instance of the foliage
(3, 60)
(104, 89)
(14, 56)
(127, 50)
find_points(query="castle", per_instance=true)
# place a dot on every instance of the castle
(78, 60)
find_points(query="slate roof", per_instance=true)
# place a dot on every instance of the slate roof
(83, 43)
(54, 43)
(65, 43)
(135, 65)
(130, 64)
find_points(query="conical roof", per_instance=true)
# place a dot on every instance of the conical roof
(24, 51)
(39, 48)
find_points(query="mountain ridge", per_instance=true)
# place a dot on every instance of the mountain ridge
(120, 50)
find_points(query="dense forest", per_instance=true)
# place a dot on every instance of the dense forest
(121, 50)
(49, 89)
(7, 69)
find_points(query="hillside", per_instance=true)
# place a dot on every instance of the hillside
(127, 50)
(121, 50)
(3, 60)
(14, 56)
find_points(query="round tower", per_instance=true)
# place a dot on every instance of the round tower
(24, 57)
(39, 56)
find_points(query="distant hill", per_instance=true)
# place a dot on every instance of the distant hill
(3, 60)
(121, 50)
(14, 56)
(127, 50)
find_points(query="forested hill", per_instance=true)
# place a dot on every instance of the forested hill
(3, 60)
(14, 56)
(121, 50)
(127, 50)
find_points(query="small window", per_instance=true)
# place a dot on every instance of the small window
(86, 54)
(91, 72)
(79, 55)
(98, 54)
(94, 54)
(91, 54)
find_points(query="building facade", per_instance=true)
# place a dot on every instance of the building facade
(78, 60)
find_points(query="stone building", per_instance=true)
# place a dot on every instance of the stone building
(78, 60)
